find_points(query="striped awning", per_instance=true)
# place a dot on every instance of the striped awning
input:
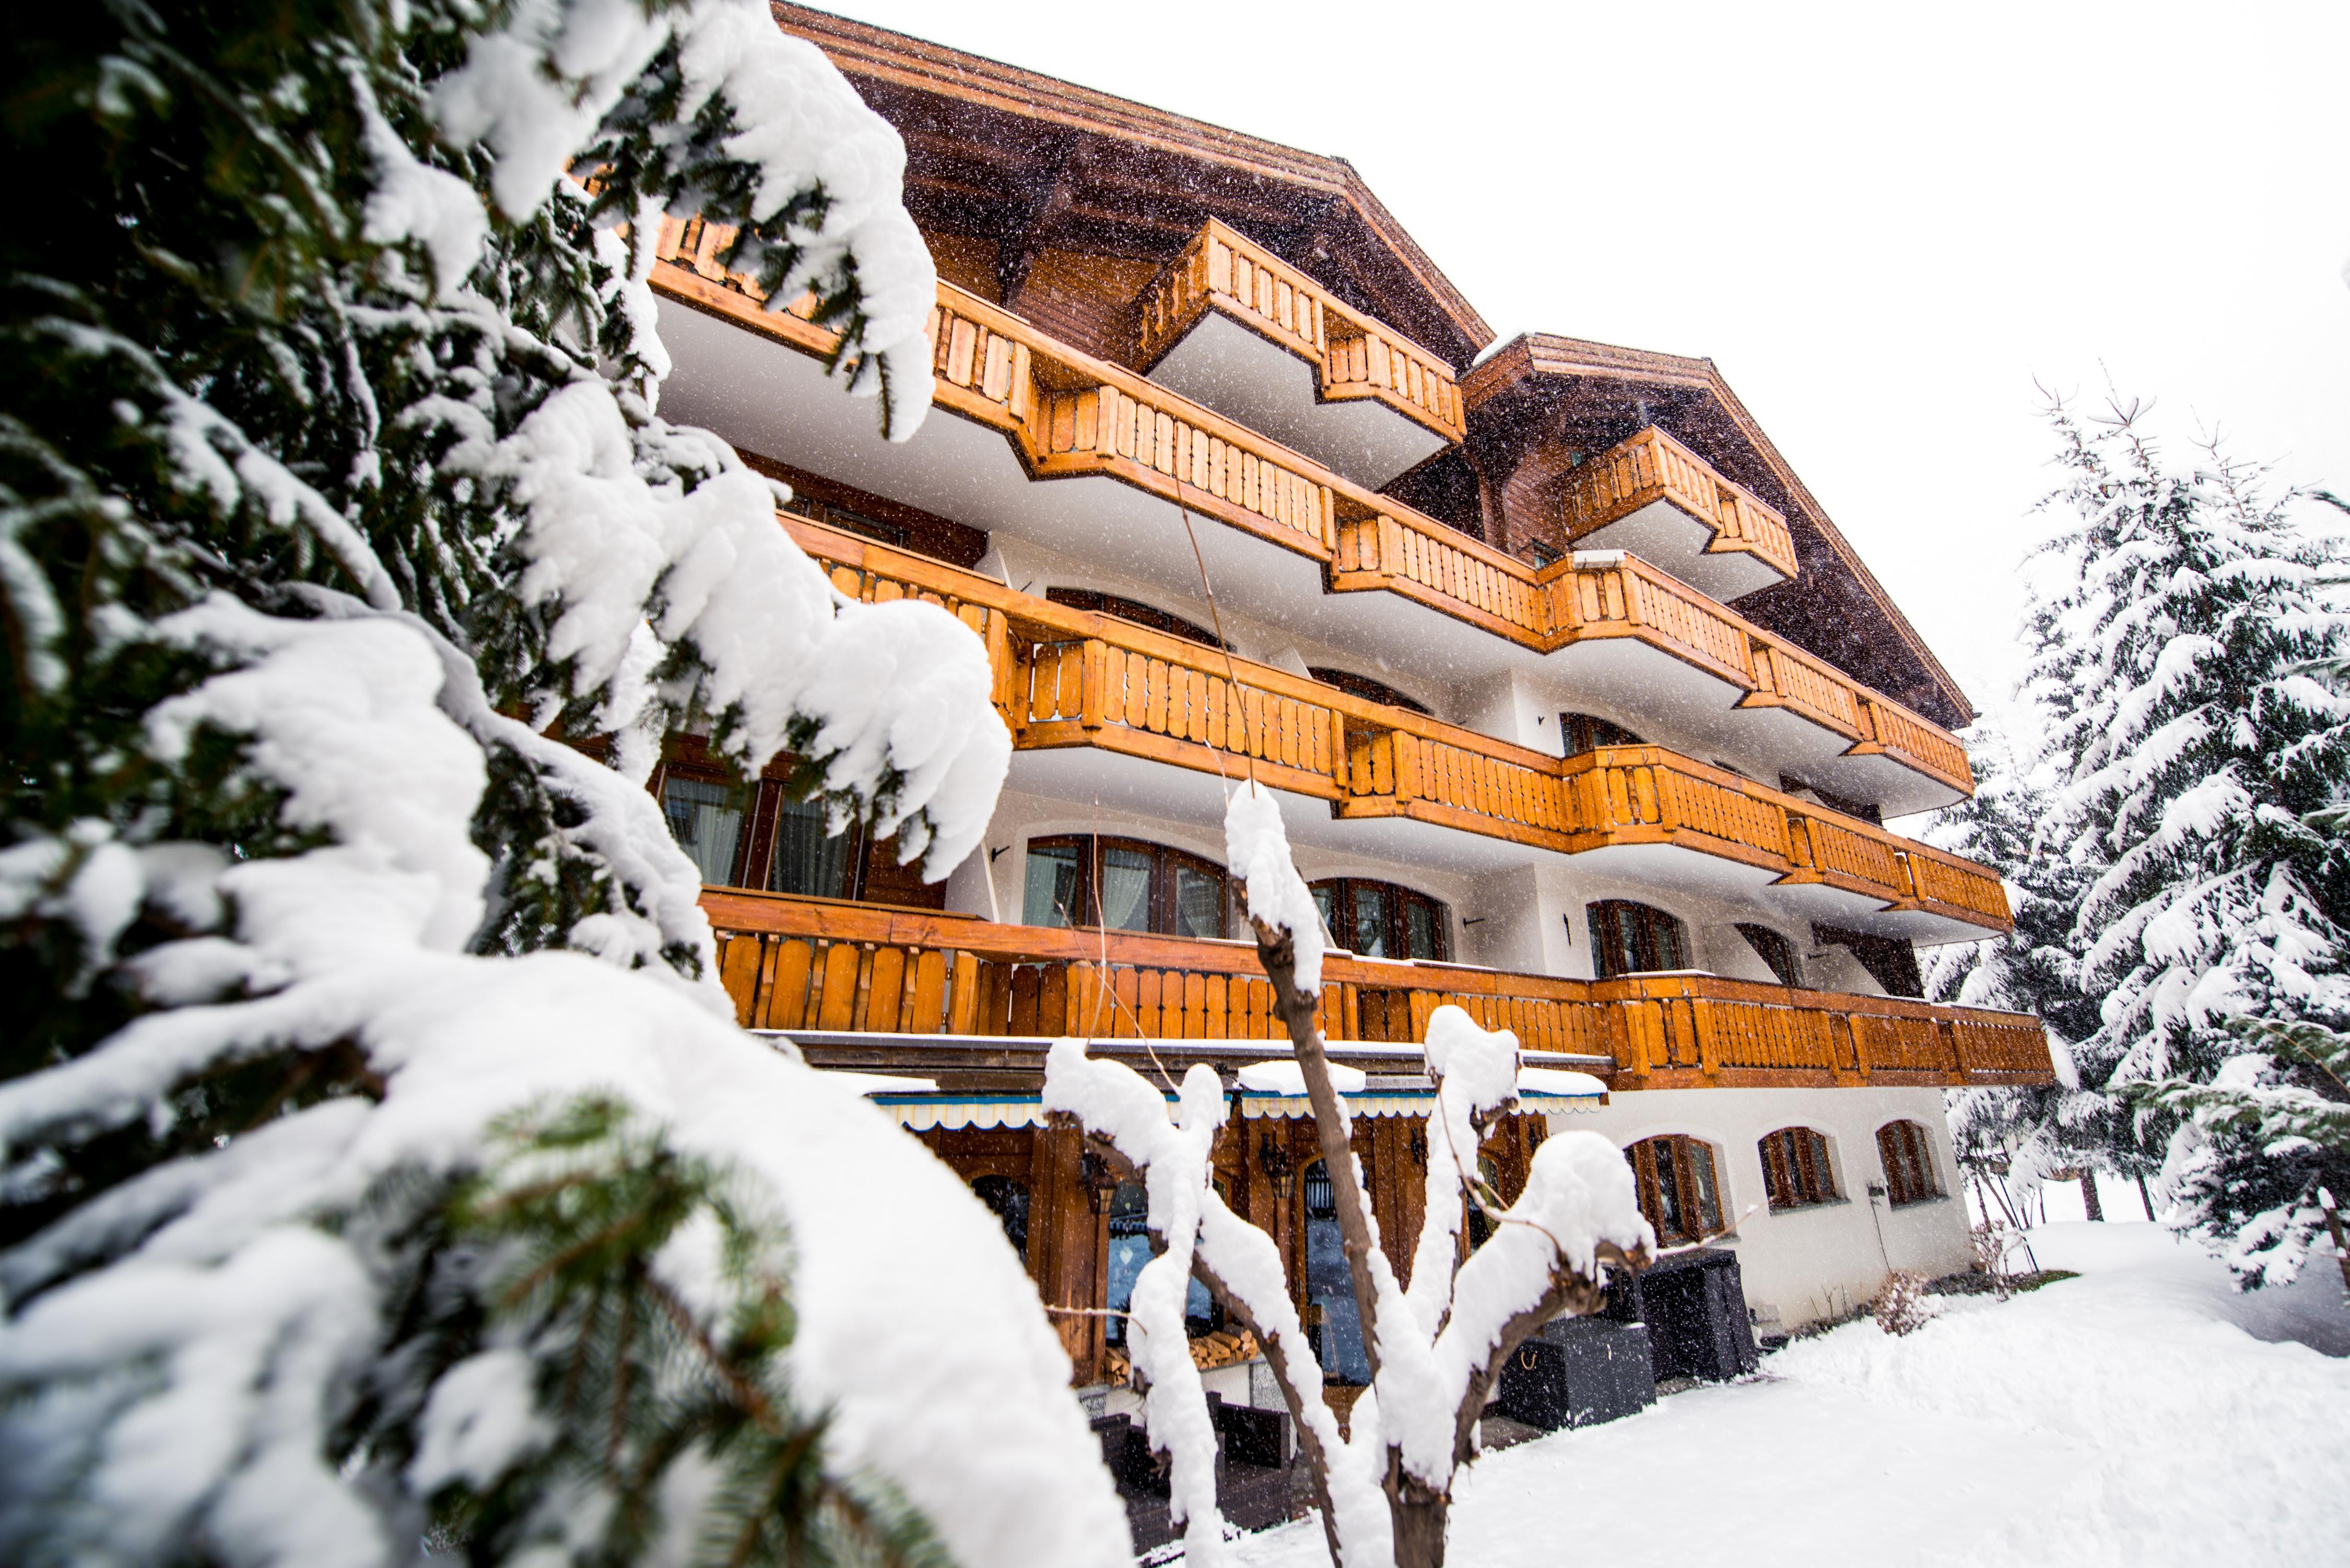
(920, 1112)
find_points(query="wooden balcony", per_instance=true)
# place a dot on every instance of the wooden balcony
(1222, 276)
(1652, 495)
(1068, 679)
(820, 965)
(1070, 416)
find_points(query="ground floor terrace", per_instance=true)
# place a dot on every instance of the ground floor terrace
(1808, 1123)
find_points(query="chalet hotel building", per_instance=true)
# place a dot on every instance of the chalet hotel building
(1583, 714)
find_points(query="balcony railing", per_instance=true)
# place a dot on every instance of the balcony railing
(1355, 356)
(1651, 467)
(818, 964)
(1068, 677)
(1069, 414)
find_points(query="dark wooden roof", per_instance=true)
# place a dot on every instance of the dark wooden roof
(1542, 390)
(1030, 163)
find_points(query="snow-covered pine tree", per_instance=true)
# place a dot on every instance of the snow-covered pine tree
(2006, 1129)
(379, 1159)
(2291, 1096)
(2180, 663)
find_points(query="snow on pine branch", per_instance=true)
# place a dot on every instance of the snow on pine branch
(356, 944)
(891, 701)
(539, 92)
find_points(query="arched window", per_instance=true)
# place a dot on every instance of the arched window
(1678, 1193)
(1774, 950)
(1008, 1200)
(1133, 610)
(1587, 733)
(1633, 939)
(1125, 884)
(1129, 1249)
(1332, 1320)
(1379, 919)
(758, 836)
(1909, 1157)
(1795, 1170)
(1363, 686)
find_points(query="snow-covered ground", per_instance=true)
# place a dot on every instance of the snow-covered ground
(2143, 1414)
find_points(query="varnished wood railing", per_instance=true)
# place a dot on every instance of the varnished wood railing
(1355, 356)
(1650, 466)
(819, 964)
(1072, 678)
(1598, 595)
(1069, 414)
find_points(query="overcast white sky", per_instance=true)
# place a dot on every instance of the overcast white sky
(1882, 222)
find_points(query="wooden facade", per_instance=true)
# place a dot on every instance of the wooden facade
(800, 964)
(998, 369)
(1072, 678)
(1260, 1164)
(1081, 241)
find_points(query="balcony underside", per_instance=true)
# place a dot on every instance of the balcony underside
(797, 964)
(1664, 534)
(1694, 865)
(774, 398)
(1235, 371)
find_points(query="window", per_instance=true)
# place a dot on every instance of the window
(757, 836)
(1859, 809)
(1891, 961)
(847, 522)
(1584, 733)
(1363, 686)
(1795, 1168)
(1678, 1196)
(1774, 950)
(1124, 884)
(1008, 1200)
(1909, 1163)
(1379, 919)
(1135, 610)
(1481, 1229)
(1539, 553)
(706, 820)
(1129, 1249)
(1633, 939)
(806, 859)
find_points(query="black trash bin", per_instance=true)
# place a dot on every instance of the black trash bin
(1694, 1306)
(1578, 1372)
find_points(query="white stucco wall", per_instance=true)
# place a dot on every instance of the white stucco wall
(1821, 1261)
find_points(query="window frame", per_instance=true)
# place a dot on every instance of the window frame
(1649, 923)
(1583, 733)
(874, 874)
(1906, 1150)
(1784, 965)
(1166, 861)
(1368, 689)
(1797, 1172)
(1396, 916)
(1134, 612)
(1692, 1198)
(746, 834)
